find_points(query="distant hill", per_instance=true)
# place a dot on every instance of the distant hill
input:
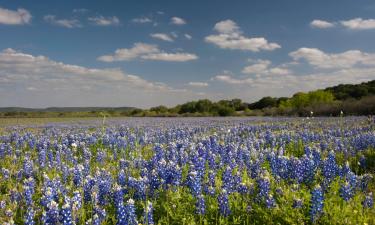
(352, 99)
(65, 109)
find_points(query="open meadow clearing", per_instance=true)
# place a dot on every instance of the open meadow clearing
(187, 171)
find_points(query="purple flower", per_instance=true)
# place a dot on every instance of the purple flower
(66, 213)
(148, 218)
(223, 201)
(29, 216)
(369, 201)
(200, 205)
(317, 203)
(131, 216)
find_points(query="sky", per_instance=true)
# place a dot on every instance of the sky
(146, 53)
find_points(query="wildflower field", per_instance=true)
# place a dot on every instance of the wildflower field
(132, 171)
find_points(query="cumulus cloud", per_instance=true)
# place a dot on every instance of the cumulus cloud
(286, 85)
(171, 57)
(17, 17)
(142, 20)
(126, 54)
(68, 23)
(188, 36)
(259, 67)
(227, 27)
(21, 67)
(104, 21)
(327, 69)
(230, 37)
(322, 24)
(232, 80)
(198, 84)
(37, 81)
(359, 24)
(352, 24)
(177, 21)
(263, 67)
(146, 51)
(162, 36)
(320, 59)
(80, 10)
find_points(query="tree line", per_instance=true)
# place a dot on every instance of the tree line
(352, 99)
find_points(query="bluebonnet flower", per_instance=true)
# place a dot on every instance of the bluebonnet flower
(131, 216)
(362, 161)
(264, 187)
(227, 178)
(76, 200)
(51, 216)
(242, 188)
(148, 218)
(66, 213)
(9, 213)
(346, 191)
(317, 203)
(121, 214)
(270, 201)
(369, 201)
(154, 181)
(6, 173)
(2, 204)
(364, 180)
(87, 188)
(28, 192)
(297, 203)
(99, 215)
(77, 175)
(121, 178)
(223, 201)
(104, 187)
(15, 196)
(194, 183)
(200, 205)
(29, 216)
(28, 167)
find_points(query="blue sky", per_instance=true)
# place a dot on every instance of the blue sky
(147, 53)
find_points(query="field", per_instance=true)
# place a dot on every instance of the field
(187, 171)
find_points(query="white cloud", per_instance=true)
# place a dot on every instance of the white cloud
(178, 21)
(172, 57)
(321, 59)
(125, 54)
(80, 10)
(188, 36)
(359, 24)
(104, 21)
(227, 27)
(142, 20)
(231, 80)
(10, 17)
(161, 36)
(279, 71)
(259, 67)
(146, 51)
(321, 24)
(352, 24)
(20, 67)
(198, 84)
(230, 37)
(262, 67)
(275, 85)
(37, 81)
(68, 23)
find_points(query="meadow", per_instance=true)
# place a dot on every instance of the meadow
(131, 171)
